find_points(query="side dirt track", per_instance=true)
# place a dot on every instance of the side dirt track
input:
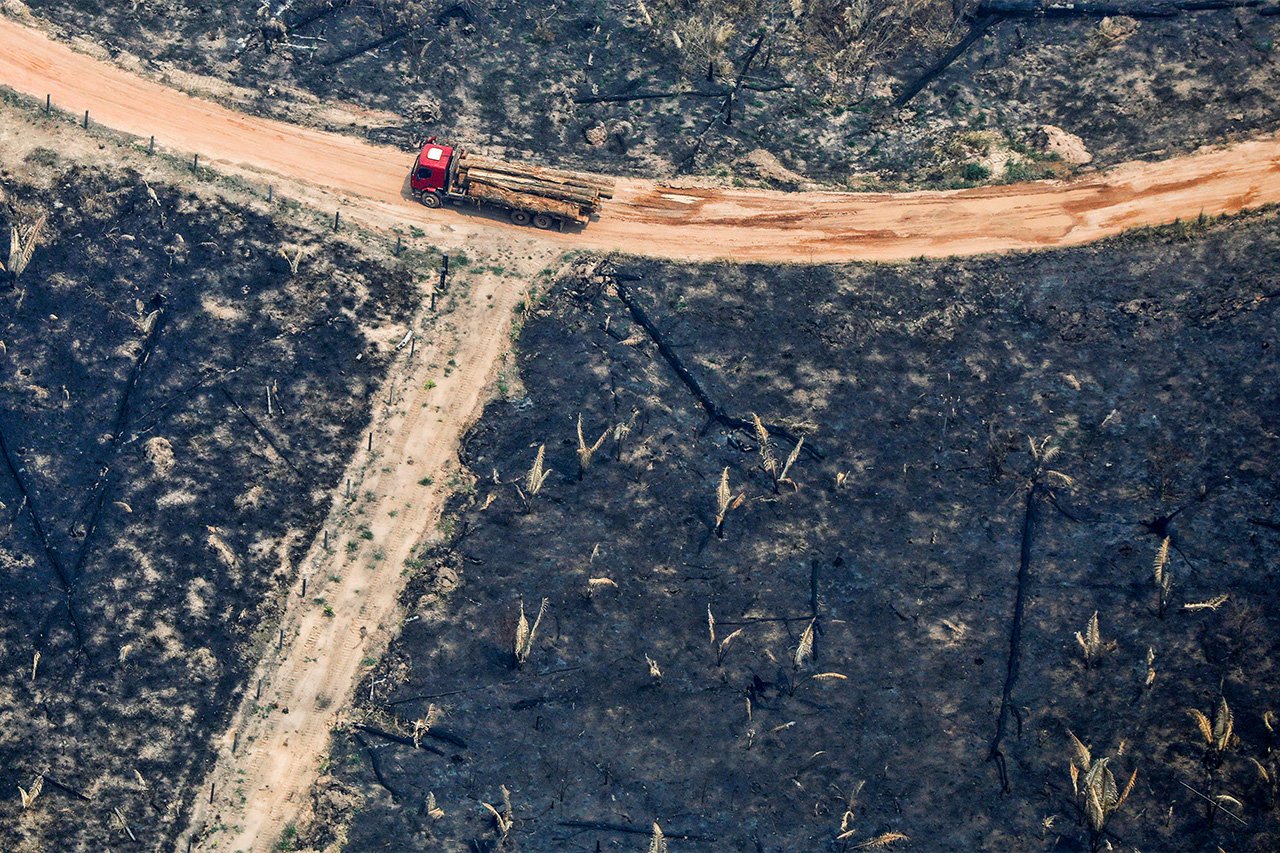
(647, 218)
(271, 753)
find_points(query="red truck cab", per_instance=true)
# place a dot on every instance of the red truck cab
(430, 178)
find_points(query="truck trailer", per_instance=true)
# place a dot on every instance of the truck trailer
(531, 195)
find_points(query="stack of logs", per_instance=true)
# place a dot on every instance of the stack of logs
(568, 195)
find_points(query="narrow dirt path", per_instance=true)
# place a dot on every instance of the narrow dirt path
(646, 218)
(271, 753)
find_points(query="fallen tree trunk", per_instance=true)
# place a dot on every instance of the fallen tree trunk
(714, 411)
(1159, 9)
(996, 754)
(976, 31)
(321, 11)
(349, 55)
(623, 97)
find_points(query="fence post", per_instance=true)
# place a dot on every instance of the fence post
(337, 218)
(271, 192)
(195, 164)
(48, 104)
(151, 146)
(86, 119)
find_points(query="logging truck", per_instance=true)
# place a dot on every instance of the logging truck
(531, 195)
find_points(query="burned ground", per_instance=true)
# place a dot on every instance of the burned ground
(151, 505)
(1148, 362)
(639, 88)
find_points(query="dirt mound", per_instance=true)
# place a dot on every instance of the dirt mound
(1068, 147)
(768, 166)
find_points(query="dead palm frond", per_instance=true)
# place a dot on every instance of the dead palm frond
(1219, 734)
(23, 241)
(526, 632)
(847, 829)
(1162, 574)
(804, 651)
(620, 432)
(1095, 789)
(423, 724)
(1042, 453)
(1091, 643)
(503, 820)
(725, 502)
(722, 650)
(657, 841)
(778, 472)
(655, 671)
(1151, 668)
(587, 451)
(433, 811)
(35, 662)
(29, 796)
(881, 841)
(1268, 779)
(294, 259)
(1209, 604)
(534, 479)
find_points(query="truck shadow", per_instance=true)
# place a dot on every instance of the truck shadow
(482, 213)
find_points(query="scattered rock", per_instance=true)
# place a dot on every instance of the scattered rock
(596, 135)
(1068, 147)
(333, 806)
(159, 453)
(1114, 30)
(426, 111)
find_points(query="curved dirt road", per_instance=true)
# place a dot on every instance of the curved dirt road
(645, 218)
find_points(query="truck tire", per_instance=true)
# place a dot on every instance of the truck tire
(541, 220)
(429, 199)
(520, 217)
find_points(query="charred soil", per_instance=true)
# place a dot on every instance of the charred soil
(925, 502)
(175, 406)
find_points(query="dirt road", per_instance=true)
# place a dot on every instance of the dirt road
(645, 218)
(272, 752)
